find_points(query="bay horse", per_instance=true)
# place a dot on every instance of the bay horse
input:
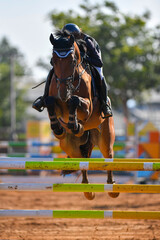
(73, 111)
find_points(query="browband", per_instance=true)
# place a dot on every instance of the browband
(63, 53)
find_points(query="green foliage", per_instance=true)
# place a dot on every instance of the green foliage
(6, 53)
(129, 48)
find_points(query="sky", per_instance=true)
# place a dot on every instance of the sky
(27, 26)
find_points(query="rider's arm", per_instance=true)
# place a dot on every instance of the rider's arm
(94, 57)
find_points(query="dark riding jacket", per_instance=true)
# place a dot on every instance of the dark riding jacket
(93, 51)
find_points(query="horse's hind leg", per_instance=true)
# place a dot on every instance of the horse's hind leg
(88, 195)
(86, 150)
(78, 148)
(105, 142)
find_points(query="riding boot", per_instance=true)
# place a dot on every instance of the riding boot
(39, 103)
(105, 107)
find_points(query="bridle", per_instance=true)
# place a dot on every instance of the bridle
(63, 53)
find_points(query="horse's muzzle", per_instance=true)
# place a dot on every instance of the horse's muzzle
(64, 95)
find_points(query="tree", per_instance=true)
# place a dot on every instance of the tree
(130, 56)
(8, 52)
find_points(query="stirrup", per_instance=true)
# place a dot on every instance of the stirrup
(38, 104)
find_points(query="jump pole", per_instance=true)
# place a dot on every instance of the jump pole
(38, 159)
(78, 187)
(112, 214)
(109, 159)
(76, 165)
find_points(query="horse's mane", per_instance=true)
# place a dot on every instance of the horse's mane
(80, 42)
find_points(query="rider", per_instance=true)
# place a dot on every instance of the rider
(94, 58)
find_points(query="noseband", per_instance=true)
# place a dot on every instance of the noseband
(63, 53)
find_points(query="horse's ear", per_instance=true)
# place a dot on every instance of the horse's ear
(51, 38)
(71, 39)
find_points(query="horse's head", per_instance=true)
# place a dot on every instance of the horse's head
(66, 61)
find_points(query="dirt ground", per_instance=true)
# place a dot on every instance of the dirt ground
(77, 229)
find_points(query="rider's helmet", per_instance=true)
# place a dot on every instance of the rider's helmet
(72, 28)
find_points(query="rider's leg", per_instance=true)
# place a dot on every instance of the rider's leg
(39, 104)
(105, 107)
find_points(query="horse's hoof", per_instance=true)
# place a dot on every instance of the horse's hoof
(60, 136)
(89, 195)
(113, 194)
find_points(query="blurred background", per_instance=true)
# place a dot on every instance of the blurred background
(128, 33)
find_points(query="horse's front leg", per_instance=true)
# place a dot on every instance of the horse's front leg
(58, 130)
(73, 124)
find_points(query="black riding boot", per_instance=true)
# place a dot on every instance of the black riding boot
(105, 107)
(39, 103)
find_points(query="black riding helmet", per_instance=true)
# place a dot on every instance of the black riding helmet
(72, 28)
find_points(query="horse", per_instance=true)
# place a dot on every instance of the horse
(74, 112)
